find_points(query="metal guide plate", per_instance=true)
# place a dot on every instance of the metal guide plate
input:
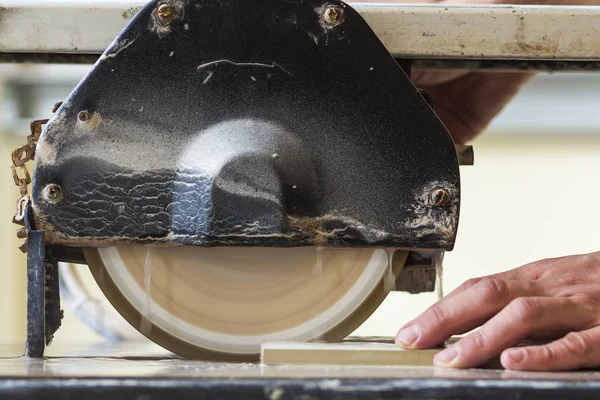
(407, 30)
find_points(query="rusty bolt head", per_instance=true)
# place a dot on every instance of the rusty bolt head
(165, 14)
(83, 116)
(56, 106)
(333, 16)
(439, 197)
(22, 233)
(52, 193)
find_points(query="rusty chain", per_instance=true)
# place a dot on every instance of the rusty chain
(19, 157)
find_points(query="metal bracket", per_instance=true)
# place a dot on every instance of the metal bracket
(418, 274)
(36, 296)
(43, 298)
(465, 154)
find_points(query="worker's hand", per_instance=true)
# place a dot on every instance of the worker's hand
(468, 101)
(556, 299)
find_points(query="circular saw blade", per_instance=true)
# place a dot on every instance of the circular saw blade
(81, 296)
(223, 302)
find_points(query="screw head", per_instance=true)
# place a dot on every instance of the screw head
(56, 106)
(83, 116)
(165, 14)
(52, 193)
(439, 197)
(333, 16)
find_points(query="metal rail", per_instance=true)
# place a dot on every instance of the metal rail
(518, 37)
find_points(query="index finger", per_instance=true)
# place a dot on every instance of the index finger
(462, 311)
(507, 275)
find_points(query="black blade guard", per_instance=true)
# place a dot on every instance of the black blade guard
(247, 122)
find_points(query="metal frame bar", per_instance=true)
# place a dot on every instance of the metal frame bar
(36, 299)
(416, 31)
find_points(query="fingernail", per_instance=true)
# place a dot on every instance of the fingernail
(445, 357)
(407, 336)
(515, 356)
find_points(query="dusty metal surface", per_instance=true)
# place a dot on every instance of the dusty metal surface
(406, 30)
(487, 32)
(508, 65)
(141, 370)
(144, 359)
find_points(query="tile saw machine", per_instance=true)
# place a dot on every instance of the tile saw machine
(242, 171)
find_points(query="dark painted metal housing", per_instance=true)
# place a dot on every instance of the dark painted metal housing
(157, 388)
(247, 122)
